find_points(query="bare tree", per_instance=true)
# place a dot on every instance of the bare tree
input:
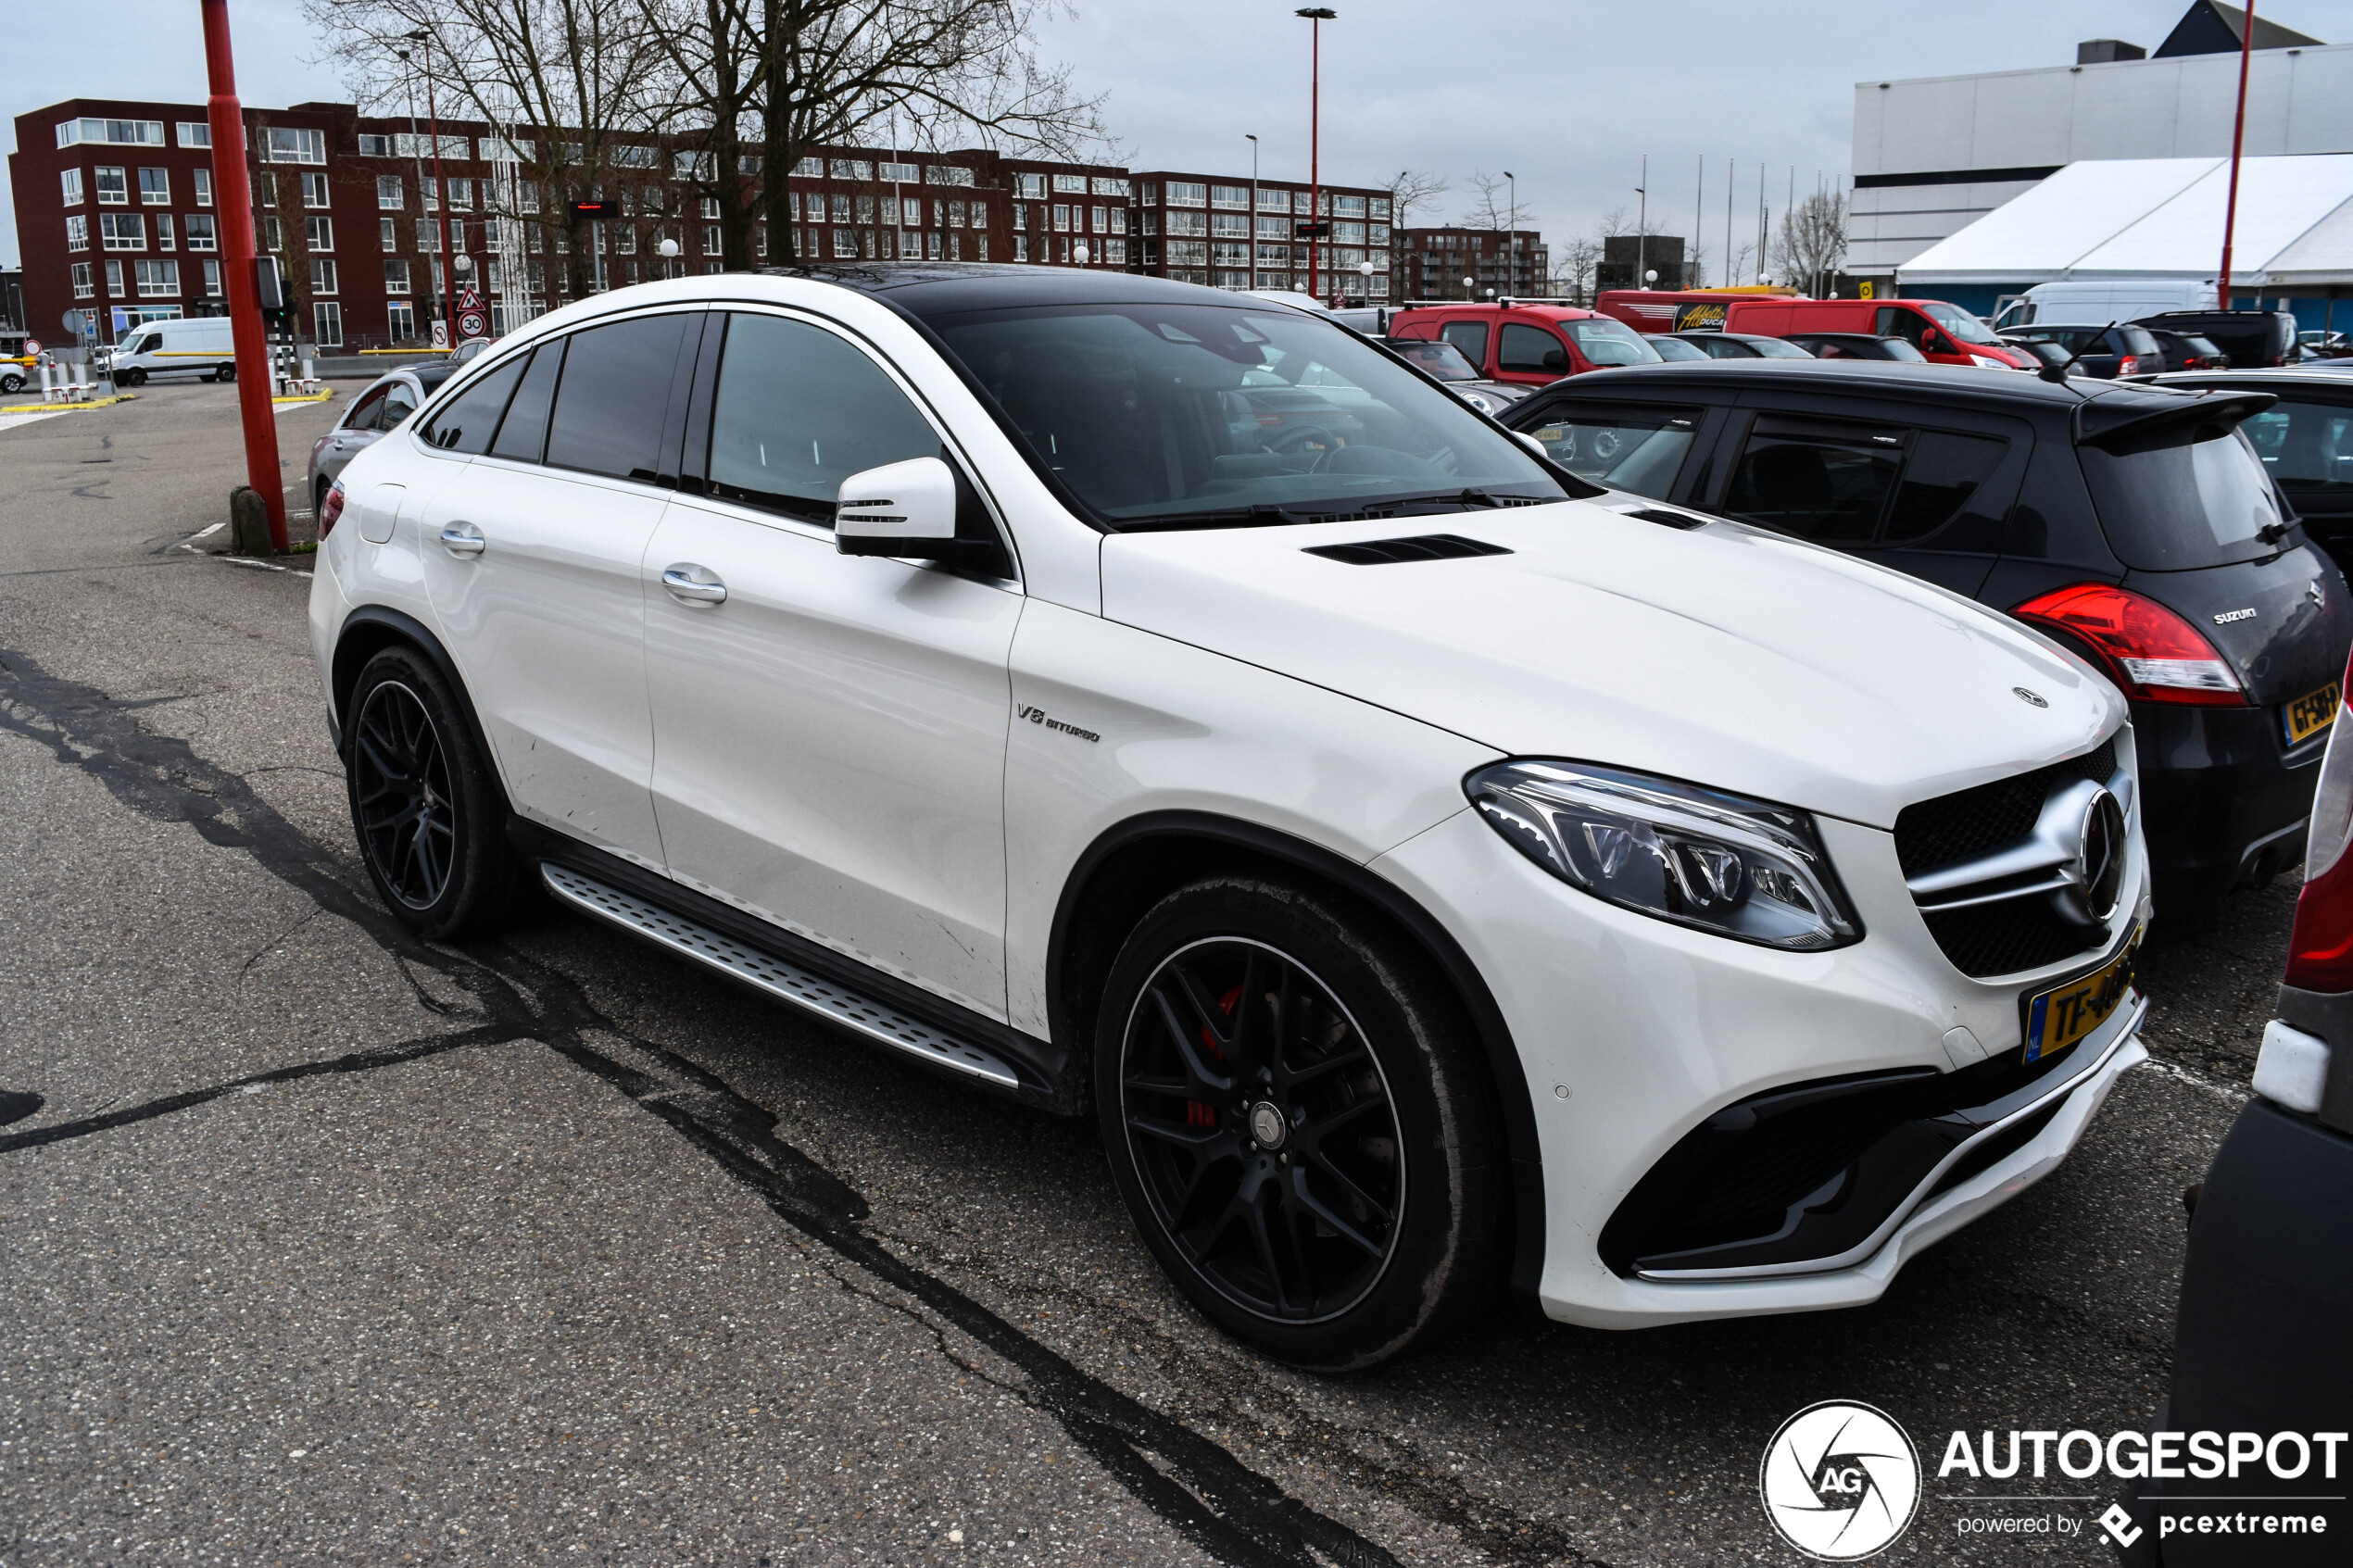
(1491, 204)
(1573, 264)
(1811, 241)
(1414, 188)
(582, 83)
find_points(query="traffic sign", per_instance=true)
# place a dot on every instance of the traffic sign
(472, 319)
(441, 334)
(32, 345)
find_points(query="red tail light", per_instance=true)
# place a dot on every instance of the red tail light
(2128, 364)
(2319, 949)
(2151, 653)
(330, 509)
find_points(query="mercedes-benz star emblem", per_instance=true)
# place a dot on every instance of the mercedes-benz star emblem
(2025, 696)
(1840, 1481)
(2099, 854)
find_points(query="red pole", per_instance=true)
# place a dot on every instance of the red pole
(2238, 140)
(238, 250)
(1315, 152)
(441, 209)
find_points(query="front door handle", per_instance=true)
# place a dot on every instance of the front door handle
(692, 584)
(463, 539)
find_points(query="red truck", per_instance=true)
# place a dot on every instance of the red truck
(1946, 335)
(1690, 310)
(1527, 343)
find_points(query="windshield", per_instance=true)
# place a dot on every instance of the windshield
(1959, 322)
(1676, 348)
(1438, 356)
(1195, 414)
(1604, 342)
(2174, 508)
(1775, 349)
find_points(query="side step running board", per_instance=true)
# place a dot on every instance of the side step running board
(786, 982)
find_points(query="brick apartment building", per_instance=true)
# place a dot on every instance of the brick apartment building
(116, 215)
(1435, 262)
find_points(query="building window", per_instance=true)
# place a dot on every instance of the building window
(1029, 187)
(428, 235)
(328, 316)
(204, 187)
(931, 245)
(157, 280)
(845, 244)
(314, 192)
(1347, 206)
(200, 231)
(1115, 252)
(841, 208)
(274, 238)
(711, 243)
(760, 240)
(114, 188)
(947, 174)
(396, 276)
(1021, 246)
(117, 133)
(114, 279)
(432, 189)
(1229, 226)
(527, 194)
(154, 187)
(322, 276)
(69, 180)
(1379, 209)
(122, 231)
(1100, 221)
(212, 280)
(1189, 253)
(809, 169)
(84, 286)
(980, 247)
(388, 233)
(897, 172)
(319, 234)
(626, 243)
(1151, 223)
(865, 209)
(195, 134)
(1189, 224)
(1234, 197)
(375, 146)
(400, 320)
(77, 232)
(1062, 219)
(1184, 193)
(299, 144)
(1073, 183)
(163, 230)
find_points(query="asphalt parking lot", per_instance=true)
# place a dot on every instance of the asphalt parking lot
(326, 1245)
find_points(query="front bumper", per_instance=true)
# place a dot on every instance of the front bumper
(1634, 1031)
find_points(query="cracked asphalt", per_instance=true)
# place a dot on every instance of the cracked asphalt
(326, 1245)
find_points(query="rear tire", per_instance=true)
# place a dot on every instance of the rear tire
(12, 381)
(226, 372)
(1300, 1119)
(428, 810)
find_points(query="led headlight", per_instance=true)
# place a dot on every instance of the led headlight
(1741, 867)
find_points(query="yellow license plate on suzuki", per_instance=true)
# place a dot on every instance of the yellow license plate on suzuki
(2058, 1018)
(2310, 713)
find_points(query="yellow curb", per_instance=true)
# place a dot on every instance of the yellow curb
(306, 397)
(65, 407)
(440, 351)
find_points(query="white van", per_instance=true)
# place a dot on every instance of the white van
(2095, 303)
(183, 346)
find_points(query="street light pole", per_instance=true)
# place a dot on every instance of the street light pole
(1254, 206)
(235, 195)
(1316, 16)
(1511, 227)
(1643, 220)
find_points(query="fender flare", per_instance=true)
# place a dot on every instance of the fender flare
(352, 652)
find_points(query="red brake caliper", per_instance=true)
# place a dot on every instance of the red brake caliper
(1200, 1112)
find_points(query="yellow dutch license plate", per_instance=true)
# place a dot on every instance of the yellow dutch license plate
(2310, 713)
(2058, 1018)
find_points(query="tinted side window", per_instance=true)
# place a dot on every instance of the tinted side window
(1471, 338)
(399, 403)
(364, 413)
(467, 424)
(614, 396)
(1827, 487)
(798, 411)
(1943, 471)
(2305, 447)
(1636, 449)
(1530, 349)
(1896, 321)
(523, 434)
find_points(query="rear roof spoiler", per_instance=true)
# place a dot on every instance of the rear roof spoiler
(2117, 425)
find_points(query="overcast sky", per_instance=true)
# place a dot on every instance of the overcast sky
(1569, 95)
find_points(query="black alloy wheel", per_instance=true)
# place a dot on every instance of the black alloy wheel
(401, 796)
(1300, 1118)
(425, 805)
(1263, 1130)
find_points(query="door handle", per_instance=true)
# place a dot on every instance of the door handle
(685, 587)
(463, 539)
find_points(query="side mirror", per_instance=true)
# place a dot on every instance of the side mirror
(1933, 342)
(906, 509)
(1532, 445)
(1556, 359)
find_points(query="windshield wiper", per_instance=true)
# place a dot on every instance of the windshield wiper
(1262, 515)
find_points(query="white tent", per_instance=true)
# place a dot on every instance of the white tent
(2161, 218)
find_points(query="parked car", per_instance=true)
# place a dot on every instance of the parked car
(1436, 357)
(2053, 357)
(382, 406)
(1856, 346)
(1685, 310)
(959, 654)
(2306, 442)
(471, 349)
(1740, 346)
(2102, 353)
(1528, 345)
(2267, 1282)
(15, 370)
(1672, 348)
(2320, 343)
(1945, 334)
(2250, 340)
(2099, 302)
(2131, 523)
(2187, 351)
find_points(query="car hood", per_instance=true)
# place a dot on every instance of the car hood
(1718, 653)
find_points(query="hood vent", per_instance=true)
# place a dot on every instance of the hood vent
(1658, 514)
(1421, 546)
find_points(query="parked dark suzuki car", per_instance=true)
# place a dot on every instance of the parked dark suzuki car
(2251, 339)
(2133, 525)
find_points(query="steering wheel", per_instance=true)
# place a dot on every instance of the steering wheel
(1292, 439)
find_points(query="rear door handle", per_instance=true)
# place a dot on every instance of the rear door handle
(463, 539)
(687, 584)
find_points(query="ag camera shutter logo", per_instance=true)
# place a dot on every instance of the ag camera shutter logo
(1840, 1481)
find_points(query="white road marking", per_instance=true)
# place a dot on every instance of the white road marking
(2229, 1093)
(9, 422)
(207, 533)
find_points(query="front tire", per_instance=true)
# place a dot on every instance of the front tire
(134, 377)
(226, 372)
(427, 808)
(1298, 1116)
(11, 382)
